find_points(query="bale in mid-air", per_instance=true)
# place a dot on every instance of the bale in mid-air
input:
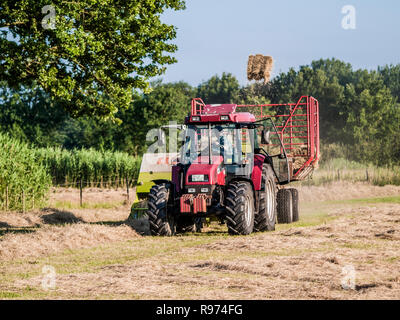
(259, 67)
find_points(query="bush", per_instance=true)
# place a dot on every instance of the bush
(24, 182)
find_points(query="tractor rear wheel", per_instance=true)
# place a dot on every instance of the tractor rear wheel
(240, 208)
(295, 198)
(285, 206)
(265, 219)
(161, 222)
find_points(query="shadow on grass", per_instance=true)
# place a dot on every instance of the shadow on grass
(7, 228)
(57, 217)
(4, 231)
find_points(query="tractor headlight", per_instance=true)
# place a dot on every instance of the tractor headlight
(195, 118)
(224, 118)
(198, 178)
(204, 190)
(191, 190)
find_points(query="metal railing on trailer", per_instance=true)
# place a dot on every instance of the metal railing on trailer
(298, 128)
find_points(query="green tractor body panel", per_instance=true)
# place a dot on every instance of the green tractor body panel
(155, 166)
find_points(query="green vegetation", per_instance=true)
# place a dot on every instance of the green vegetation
(359, 122)
(93, 168)
(26, 174)
(24, 182)
(340, 169)
(359, 111)
(92, 56)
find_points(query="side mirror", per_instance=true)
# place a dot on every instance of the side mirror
(265, 137)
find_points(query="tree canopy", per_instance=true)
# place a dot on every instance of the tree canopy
(88, 55)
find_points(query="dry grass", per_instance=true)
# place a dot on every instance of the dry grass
(50, 230)
(90, 195)
(345, 190)
(297, 261)
(53, 239)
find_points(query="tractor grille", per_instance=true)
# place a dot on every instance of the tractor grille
(195, 203)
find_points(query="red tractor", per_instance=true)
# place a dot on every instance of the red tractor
(234, 166)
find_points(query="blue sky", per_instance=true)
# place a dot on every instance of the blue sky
(216, 36)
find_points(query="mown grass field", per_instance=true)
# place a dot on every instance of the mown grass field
(97, 253)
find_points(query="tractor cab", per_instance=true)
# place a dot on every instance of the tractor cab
(218, 135)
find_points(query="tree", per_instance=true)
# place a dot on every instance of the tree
(373, 120)
(255, 93)
(29, 115)
(219, 90)
(166, 102)
(391, 78)
(88, 132)
(92, 56)
(290, 86)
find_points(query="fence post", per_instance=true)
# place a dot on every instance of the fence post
(127, 186)
(338, 174)
(6, 198)
(80, 191)
(366, 174)
(23, 201)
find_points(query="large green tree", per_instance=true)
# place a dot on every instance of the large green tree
(28, 114)
(391, 78)
(167, 102)
(224, 89)
(373, 120)
(357, 108)
(290, 86)
(92, 55)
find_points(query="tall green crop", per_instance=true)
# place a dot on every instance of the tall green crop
(93, 168)
(24, 182)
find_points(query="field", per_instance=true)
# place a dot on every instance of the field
(97, 253)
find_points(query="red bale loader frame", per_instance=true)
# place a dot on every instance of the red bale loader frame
(234, 165)
(298, 131)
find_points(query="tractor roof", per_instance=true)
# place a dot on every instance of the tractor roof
(202, 113)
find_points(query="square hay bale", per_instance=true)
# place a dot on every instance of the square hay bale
(259, 67)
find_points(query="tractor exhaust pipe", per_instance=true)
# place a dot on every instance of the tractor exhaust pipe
(209, 144)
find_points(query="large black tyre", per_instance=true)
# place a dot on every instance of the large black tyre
(240, 208)
(188, 224)
(295, 203)
(265, 219)
(285, 206)
(161, 223)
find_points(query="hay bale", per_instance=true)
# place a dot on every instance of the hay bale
(302, 154)
(259, 67)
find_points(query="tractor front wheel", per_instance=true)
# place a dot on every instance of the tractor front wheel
(161, 222)
(240, 208)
